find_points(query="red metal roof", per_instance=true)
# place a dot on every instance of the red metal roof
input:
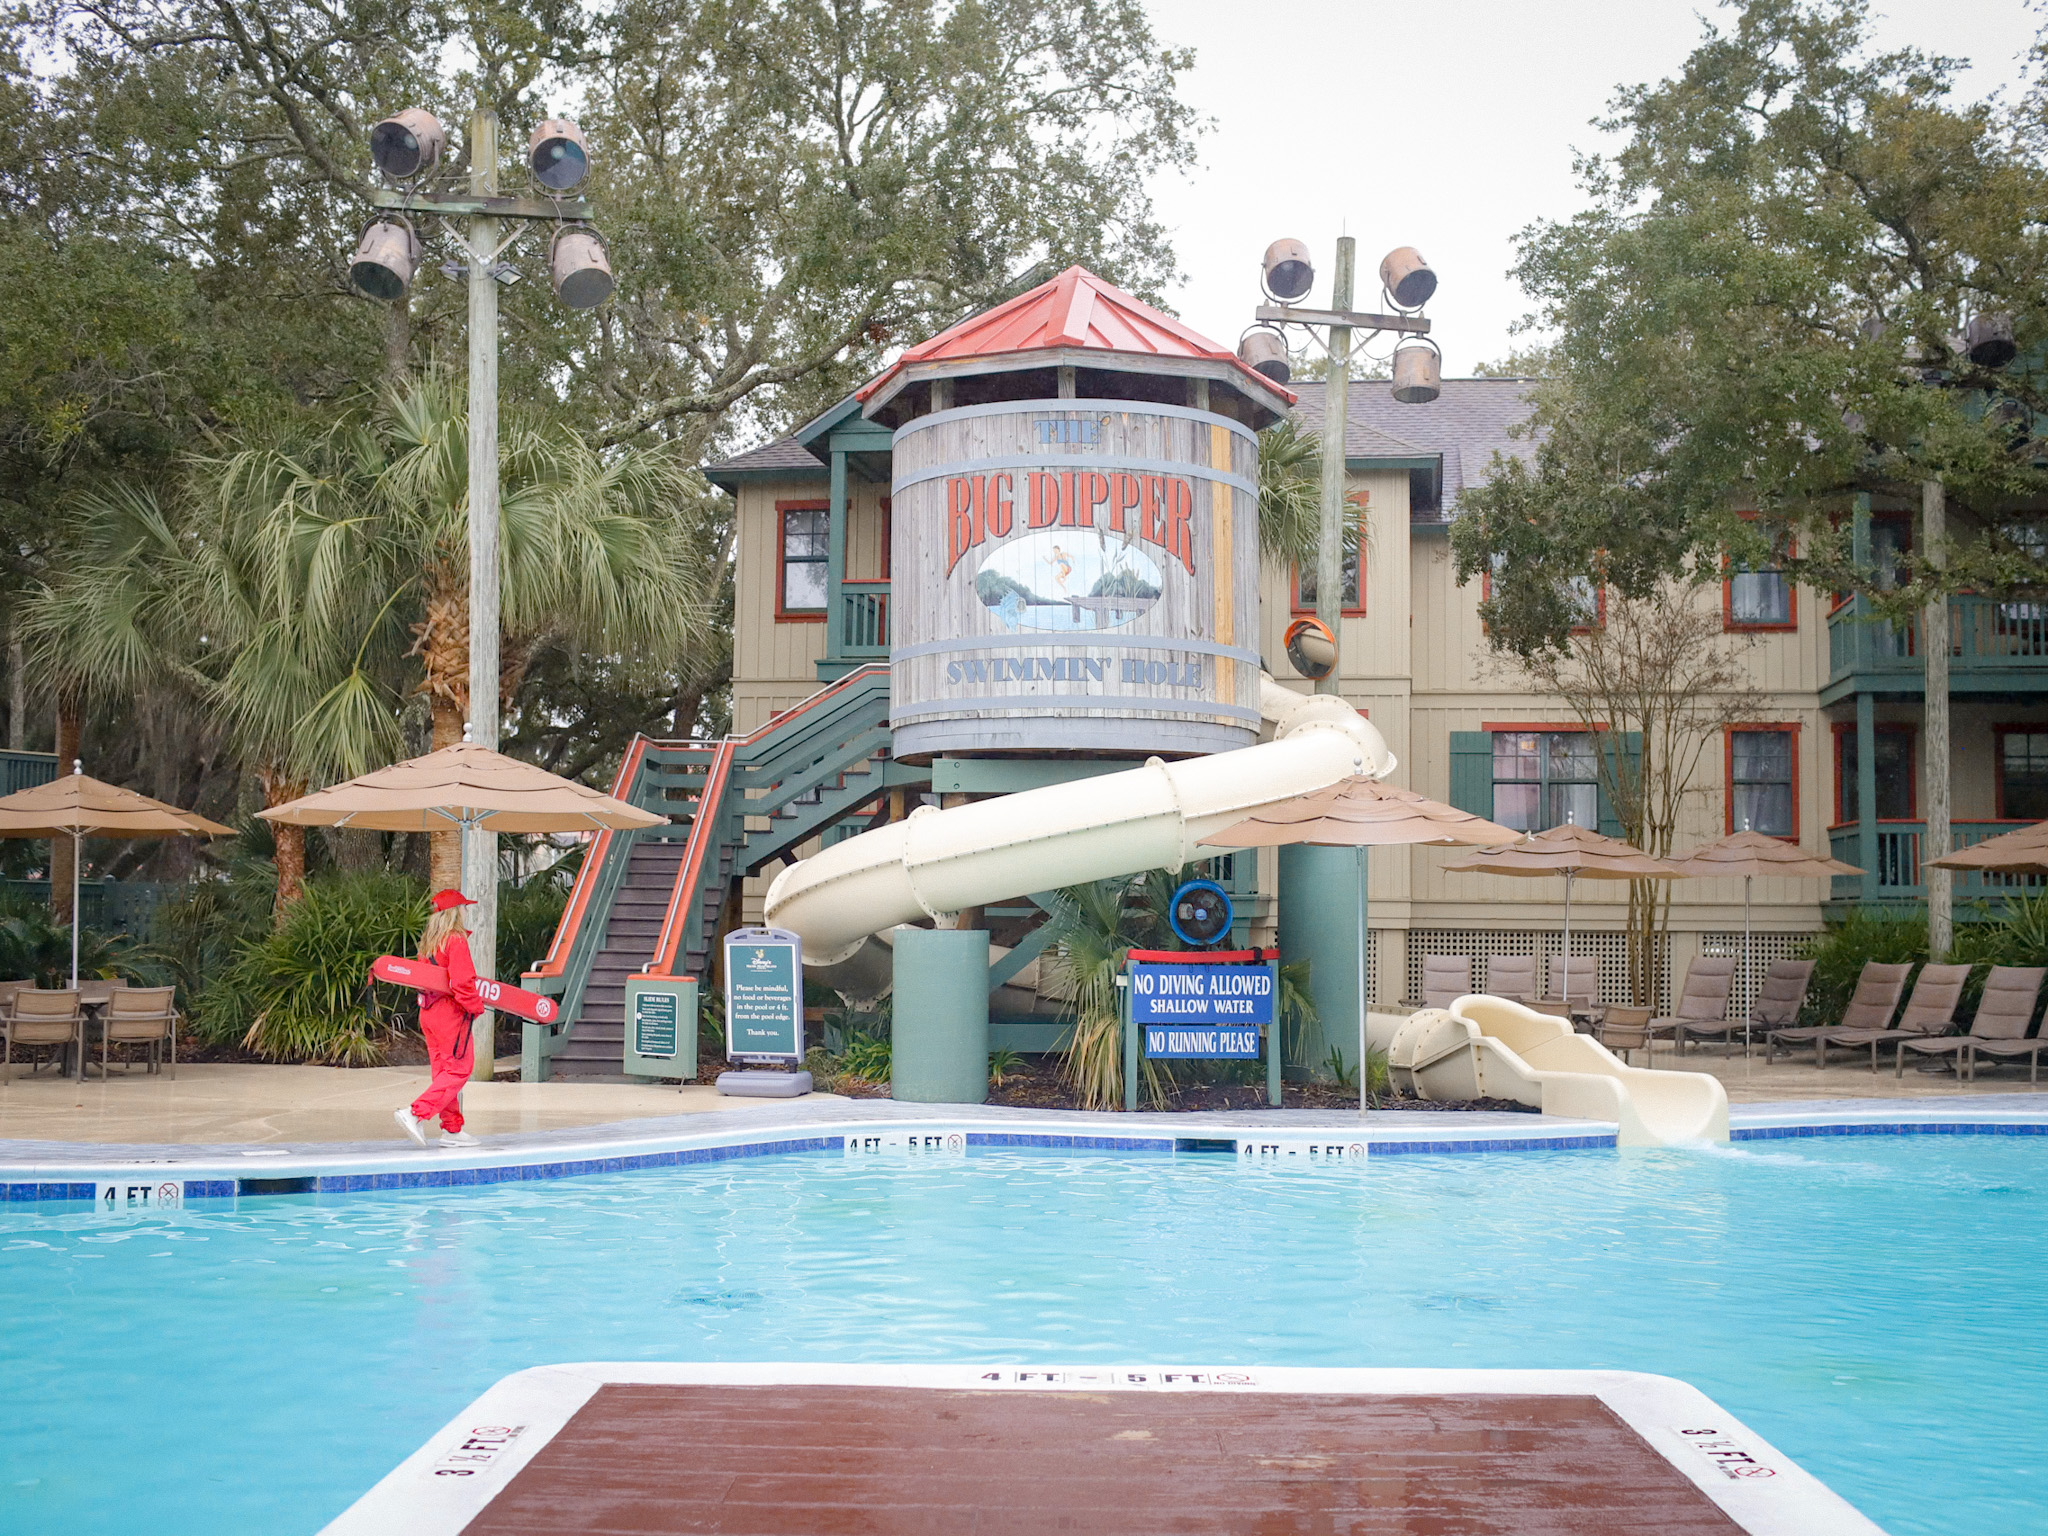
(1075, 309)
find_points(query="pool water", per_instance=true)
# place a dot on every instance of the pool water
(1872, 1305)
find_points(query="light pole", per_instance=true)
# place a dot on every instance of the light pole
(406, 149)
(1406, 283)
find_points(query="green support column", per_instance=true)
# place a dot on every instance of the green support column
(1866, 794)
(835, 560)
(939, 1037)
(1320, 922)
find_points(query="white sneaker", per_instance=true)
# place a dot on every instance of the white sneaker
(457, 1139)
(416, 1129)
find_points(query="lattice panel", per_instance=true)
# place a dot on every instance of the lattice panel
(1763, 949)
(1610, 949)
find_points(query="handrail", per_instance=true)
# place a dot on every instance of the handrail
(704, 832)
(556, 961)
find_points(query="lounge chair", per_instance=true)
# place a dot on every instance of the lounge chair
(37, 1022)
(1575, 979)
(1777, 1006)
(1871, 1006)
(1703, 1000)
(1627, 1030)
(2003, 1014)
(141, 1016)
(1445, 979)
(1931, 1010)
(1511, 976)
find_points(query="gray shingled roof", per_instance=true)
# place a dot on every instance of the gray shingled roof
(785, 453)
(1466, 425)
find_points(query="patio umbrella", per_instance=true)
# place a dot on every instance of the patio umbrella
(2022, 851)
(1360, 813)
(1750, 854)
(1576, 853)
(78, 806)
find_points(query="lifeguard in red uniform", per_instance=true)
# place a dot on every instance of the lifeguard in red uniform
(447, 1020)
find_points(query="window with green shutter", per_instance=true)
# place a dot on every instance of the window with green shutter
(1534, 780)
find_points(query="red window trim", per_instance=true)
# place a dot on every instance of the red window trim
(1730, 624)
(1838, 727)
(1728, 772)
(783, 614)
(1998, 735)
(1361, 499)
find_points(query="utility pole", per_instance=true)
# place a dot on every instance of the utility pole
(1934, 644)
(480, 848)
(1336, 413)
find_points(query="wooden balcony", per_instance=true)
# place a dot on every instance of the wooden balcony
(1894, 876)
(858, 629)
(1994, 647)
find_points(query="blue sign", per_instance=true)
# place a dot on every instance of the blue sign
(1203, 1042)
(1165, 993)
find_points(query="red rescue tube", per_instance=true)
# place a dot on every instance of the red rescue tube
(502, 996)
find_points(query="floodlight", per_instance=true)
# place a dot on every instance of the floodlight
(1418, 371)
(1407, 278)
(582, 271)
(1263, 350)
(556, 155)
(386, 259)
(407, 143)
(1287, 272)
(1990, 339)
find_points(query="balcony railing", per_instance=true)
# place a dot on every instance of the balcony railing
(862, 633)
(1897, 867)
(1984, 635)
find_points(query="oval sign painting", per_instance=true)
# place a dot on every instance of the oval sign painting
(1067, 579)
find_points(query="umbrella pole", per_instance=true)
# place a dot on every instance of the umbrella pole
(1364, 1073)
(1569, 876)
(1751, 1014)
(77, 858)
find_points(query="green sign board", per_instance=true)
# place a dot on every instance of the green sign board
(764, 995)
(654, 1024)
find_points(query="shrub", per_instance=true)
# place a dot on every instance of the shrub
(299, 992)
(1840, 954)
(2018, 937)
(34, 945)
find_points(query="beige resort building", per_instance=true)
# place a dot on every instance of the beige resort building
(1830, 761)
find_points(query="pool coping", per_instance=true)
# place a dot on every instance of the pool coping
(126, 1177)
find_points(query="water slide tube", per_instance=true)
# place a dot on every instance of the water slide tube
(935, 862)
(1490, 1047)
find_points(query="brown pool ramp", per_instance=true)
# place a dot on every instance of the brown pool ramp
(819, 1450)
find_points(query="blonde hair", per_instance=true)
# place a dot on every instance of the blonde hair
(438, 928)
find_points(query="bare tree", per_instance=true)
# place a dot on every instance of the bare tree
(1662, 672)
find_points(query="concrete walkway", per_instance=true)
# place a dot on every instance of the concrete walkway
(252, 1105)
(248, 1105)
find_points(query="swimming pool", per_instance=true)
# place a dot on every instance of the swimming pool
(1866, 1303)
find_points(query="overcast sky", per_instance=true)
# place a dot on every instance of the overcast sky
(1447, 125)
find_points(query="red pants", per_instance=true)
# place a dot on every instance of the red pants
(451, 1047)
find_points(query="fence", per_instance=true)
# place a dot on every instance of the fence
(108, 906)
(1609, 949)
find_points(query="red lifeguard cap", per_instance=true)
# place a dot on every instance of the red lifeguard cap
(451, 897)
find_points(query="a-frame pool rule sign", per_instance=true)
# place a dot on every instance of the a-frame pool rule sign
(764, 995)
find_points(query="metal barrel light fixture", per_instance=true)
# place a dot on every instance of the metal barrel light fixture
(407, 144)
(1264, 350)
(1418, 371)
(1408, 280)
(581, 269)
(386, 258)
(1990, 340)
(556, 154)
(1287, 273)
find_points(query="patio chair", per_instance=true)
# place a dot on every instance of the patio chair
(141, 1016)
(1511, 976)
(2003, 1014)
(1445, 978)
(7, 991)
(1625, 1031)
(1871, 1006)
(1702, 1000)
(1777, 1006)
(37, 1022)
(1931, 1010)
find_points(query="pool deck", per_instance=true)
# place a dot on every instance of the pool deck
(654, 1449)
(131, 1175)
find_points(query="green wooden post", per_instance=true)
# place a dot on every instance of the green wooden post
(1273, 1036)
(1123, 987)
(939, 1051)
(835, 562)
(1866, 792)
